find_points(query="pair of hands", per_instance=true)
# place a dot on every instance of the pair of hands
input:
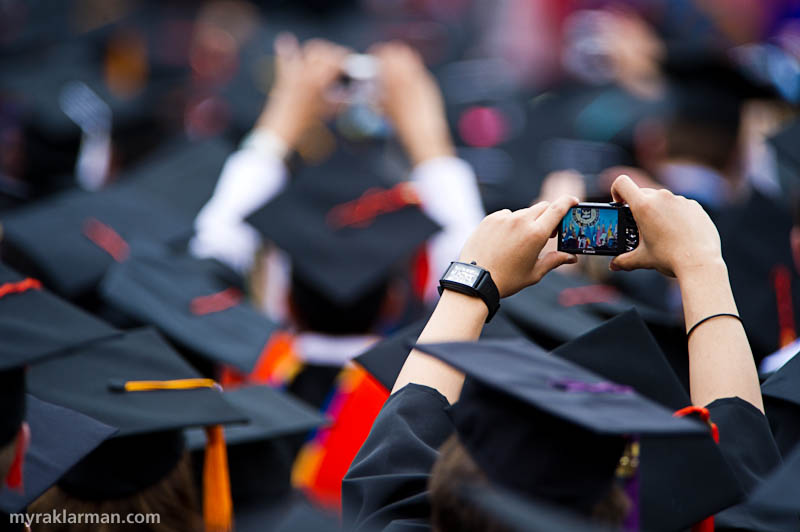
(676, 237)
(409, 96)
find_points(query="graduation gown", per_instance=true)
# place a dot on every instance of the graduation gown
(386, 486)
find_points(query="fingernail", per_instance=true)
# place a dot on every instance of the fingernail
(572, 259)
(613, 267)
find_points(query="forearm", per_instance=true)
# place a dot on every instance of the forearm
(720, 360)
(457, 318)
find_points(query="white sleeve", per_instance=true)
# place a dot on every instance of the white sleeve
(448, 190)
(249, 179)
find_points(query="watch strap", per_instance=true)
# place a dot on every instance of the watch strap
(484, 288)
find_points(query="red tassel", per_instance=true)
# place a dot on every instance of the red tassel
(216, 302)
(15, 478)
(106, 239)
(21, 286)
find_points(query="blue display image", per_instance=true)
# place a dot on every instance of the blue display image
(590, 228)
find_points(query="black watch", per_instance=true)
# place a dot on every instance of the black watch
(472, 280)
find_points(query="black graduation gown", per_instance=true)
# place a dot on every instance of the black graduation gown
(747, 444)
(386, 486)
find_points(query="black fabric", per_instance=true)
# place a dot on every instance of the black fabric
(748, 446)
(181, 173)
(533, 453)
(779, 492)
(157, 287)
(12, 403)
(385, 359)
(124, 466)
(386, 485)
(559, 388)
(781, 393)
(314, 384)
(272, 413)
(50, 234)
(60, 437)
(752, 269)
(36, 324)
(82, 382)
(343, 262)
(672, 493)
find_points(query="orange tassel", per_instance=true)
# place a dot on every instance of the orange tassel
(217, 502)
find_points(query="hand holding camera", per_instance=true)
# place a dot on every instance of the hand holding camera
(676, 234)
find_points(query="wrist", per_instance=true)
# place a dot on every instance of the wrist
(422, 148)
(711, 270)
(470, 308)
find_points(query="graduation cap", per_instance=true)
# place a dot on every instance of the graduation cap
(138, 384)
(779, 493)
(272, 413)
(181, 173)
(672, 494)
(72, 238)
(34, 325)
(385, 359)
(192, 301)
(344, 230)
(48, 457)
(562, 307)
(545, 427)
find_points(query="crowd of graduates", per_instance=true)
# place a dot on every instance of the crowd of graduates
(223, 226)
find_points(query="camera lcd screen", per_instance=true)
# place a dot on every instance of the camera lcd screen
(589, 230)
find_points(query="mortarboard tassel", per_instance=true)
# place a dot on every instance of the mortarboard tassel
(15, 478)
(628, 472)
(217, 502)
(707, 524)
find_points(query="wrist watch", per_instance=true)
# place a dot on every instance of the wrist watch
(472, 280)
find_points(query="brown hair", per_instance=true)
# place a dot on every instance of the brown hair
(174, 499)
(455, 468)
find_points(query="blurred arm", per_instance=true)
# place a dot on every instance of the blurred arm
(448, 189)
(250, 178)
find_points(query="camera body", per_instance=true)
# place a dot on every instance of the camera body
(598, 229)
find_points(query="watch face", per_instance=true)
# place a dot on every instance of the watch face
(463, 273)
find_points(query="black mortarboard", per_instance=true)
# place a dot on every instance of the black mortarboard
(781, 393)
(672, 495)
(192, 302)
(520, 514)
(545, 427)
(561, 307)
(344, 230)
(60, 438)
(93, 382)
(385, 359)
(780, 493)
(34, 324)
(272, 413)
(71, 239)
(181, 173)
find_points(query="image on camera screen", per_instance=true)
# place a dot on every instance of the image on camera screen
(590, 229)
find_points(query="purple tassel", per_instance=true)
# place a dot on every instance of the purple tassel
(569, 385)
(631, 523)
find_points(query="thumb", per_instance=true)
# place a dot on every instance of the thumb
(550, 261)
(632, 260)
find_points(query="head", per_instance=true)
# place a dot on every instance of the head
(455, 469)
(312, 310)
(173, 499)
